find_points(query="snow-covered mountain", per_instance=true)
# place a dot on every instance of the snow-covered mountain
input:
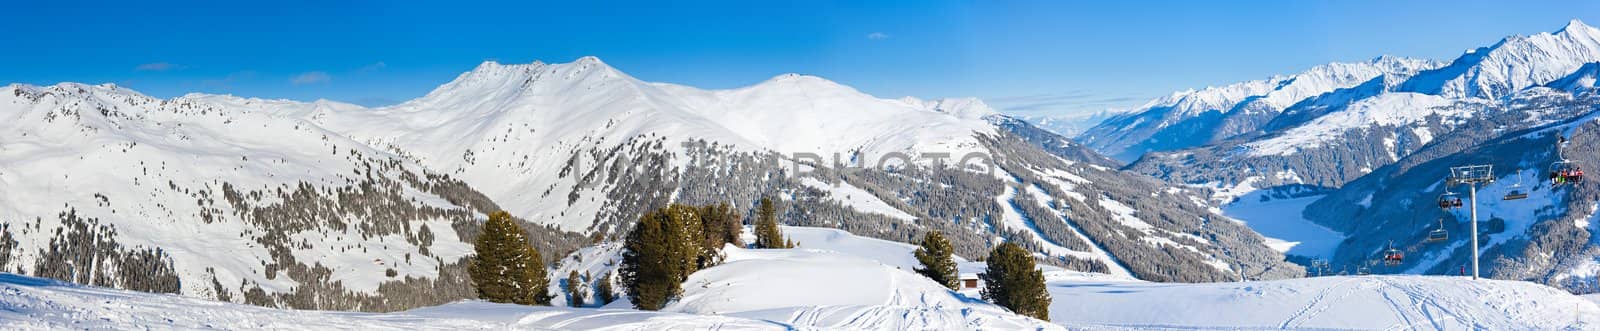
(1338, 136)
(106, 186)
(583, 121)
(325, 205)
(1515, 63)
(504, 128)
(1197, 117)
(1377, 153)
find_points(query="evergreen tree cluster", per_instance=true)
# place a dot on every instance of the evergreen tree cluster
(507, 269)
(670, 243)
(721, 225)
(1012, 281)
(937, 262)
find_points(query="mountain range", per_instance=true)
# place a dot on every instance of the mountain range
(1374, 141)
(327, 205)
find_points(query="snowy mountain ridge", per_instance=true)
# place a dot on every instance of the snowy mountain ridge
(1194, 117)
(1398, 112)
(1374, 157)
(541, 115)
(1515, 63)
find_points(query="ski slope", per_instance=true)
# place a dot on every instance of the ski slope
(41, 304)
(832, 289)
(1364, 302)
(847, 282)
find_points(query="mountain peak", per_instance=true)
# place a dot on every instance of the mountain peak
(801, 81)
(793, 77)
(1575, 25)
(1516, 62)
(495, 68)
(589, 60)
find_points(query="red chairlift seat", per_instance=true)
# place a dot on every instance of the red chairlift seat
(1393, 257)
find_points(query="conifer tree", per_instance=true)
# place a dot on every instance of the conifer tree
(660, 252)
(721, 226)
(768, 235)
(575, 289)
(507, 269)
(1012, 281)
(937, 261)
(602, 291)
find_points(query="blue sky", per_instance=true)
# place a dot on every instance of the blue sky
(1030, 56)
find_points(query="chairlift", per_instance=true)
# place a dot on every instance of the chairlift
(1564, 171)
(1449, 200)
(1516, 190)
(1438, 234)
(1393, 257)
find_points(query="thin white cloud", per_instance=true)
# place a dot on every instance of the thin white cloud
(313, 77)
(877, 36)
(157, 66)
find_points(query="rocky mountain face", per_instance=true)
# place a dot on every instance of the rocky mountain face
(325, 205)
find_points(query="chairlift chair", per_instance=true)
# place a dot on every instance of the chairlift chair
(1393, 257)
(1515, 195)
(1449, 200)
(1516, 190)
(1565, 172)
(1438, 234)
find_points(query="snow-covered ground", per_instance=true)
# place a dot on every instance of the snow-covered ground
(1364, 302)
(40, 304)
(845, 282)
(1281, 222)
(857, 198)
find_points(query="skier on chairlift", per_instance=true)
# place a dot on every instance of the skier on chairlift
(1564, 171)
(1449, 200)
